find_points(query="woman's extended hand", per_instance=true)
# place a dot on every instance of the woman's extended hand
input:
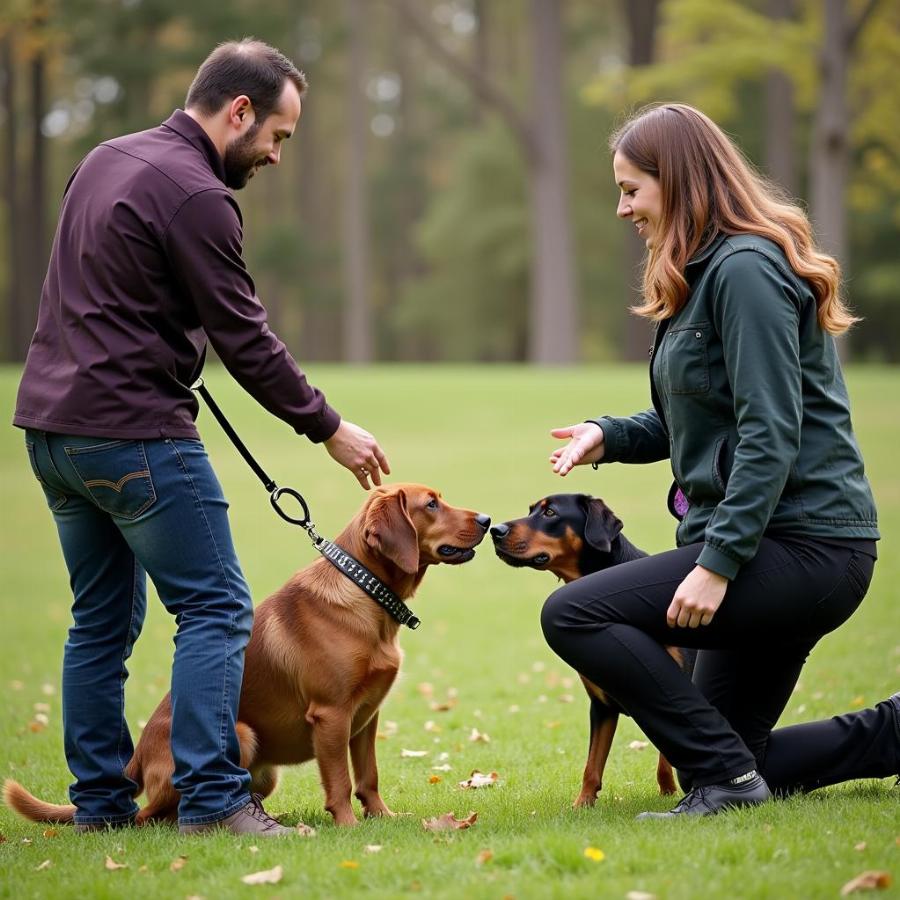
(585, 446)
(697, 599)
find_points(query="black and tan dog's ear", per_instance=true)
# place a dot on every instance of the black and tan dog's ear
(391, 532)
(602, 524)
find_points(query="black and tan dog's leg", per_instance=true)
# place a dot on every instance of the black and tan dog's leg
(603, 729)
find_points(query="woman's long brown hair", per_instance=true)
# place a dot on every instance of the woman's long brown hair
(707, 188)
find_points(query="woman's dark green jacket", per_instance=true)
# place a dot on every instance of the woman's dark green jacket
(750, 405)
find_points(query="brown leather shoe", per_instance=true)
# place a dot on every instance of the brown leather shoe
(249, 819)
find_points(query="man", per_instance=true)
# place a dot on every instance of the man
(146, 267)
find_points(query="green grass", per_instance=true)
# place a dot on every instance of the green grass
(481, 436)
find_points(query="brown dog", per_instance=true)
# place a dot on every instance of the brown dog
(572, 535)
(321, 659)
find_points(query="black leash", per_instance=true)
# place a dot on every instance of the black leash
(338, 557)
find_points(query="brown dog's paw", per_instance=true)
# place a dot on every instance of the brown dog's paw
(584, 800)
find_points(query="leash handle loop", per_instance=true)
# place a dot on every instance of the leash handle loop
(278, 493)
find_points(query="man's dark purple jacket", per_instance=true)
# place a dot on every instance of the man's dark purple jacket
(146, 267)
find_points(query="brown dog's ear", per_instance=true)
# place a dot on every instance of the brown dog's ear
(391, 532)
(601, 526)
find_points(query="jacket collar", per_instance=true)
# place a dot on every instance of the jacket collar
(697, 263)
(192, 131)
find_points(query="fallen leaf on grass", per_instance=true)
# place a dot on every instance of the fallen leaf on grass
(2, 839)
(449, 822)
(267, 876)
(434, 779)
(305, 830)
(432, 726)
(34, 726)
(48, 690)
(860, 846)
(374, 848)
(443, 705)
(485, 856)
(867, 881)
(44, 865)
(349, 864)
(412, 754)
(42, 707)
(479, 780)
(639, 895)
(476, 735)
(51, 833)
(426, 689)
(112, 865)
(639, 745)
(443, 768)
(253, 849)
(594, 853)
(177, 864)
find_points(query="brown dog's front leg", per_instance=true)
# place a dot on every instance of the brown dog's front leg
(603, 729)
(362, 753)
(331, 735)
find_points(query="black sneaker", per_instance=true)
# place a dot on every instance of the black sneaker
(894, 700)
(745, 790)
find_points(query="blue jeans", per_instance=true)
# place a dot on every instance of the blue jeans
(125, 509)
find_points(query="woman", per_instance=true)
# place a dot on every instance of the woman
(776, 541)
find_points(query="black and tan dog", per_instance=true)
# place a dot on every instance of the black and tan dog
(572, 535)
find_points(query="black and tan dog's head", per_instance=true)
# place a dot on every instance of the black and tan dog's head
(566, 534)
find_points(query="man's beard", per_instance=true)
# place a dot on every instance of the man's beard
(241, 159)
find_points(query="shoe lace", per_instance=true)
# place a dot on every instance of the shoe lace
(255, 809)
(693, 798)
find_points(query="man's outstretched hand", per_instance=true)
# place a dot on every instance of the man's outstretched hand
(357, 450)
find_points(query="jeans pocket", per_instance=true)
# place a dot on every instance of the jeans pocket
(116, 475)
(55, 500)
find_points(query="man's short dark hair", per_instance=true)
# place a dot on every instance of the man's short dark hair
(243, 67)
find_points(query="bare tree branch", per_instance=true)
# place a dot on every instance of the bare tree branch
(856, 27)
(479, 84)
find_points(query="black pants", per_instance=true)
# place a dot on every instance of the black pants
(611, 627)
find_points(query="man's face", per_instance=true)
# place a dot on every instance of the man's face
(260, 144)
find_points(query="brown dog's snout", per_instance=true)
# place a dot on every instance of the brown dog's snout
(498, 532)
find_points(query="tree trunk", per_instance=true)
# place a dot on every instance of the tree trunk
(357, 339)
(642, 17)
(828, 151)
(553, 337)
(780, 114)
(18, 329)
(35, 247)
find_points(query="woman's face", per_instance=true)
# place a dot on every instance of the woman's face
(640, 200)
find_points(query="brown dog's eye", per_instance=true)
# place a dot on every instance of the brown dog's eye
(432, 504)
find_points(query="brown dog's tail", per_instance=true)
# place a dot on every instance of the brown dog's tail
(27, 805)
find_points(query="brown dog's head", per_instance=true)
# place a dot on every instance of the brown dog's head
(559, 534)
(411, 526)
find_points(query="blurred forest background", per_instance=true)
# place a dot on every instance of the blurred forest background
(449, 193)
